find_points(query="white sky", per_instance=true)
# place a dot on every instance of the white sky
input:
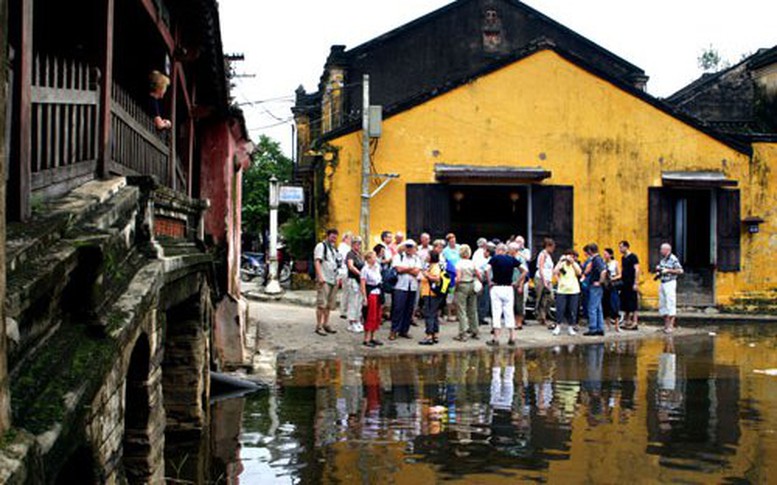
(286, 42)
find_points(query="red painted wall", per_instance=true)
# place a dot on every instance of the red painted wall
(224, 156)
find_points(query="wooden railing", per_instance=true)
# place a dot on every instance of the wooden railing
(137, 147)
(64, 124)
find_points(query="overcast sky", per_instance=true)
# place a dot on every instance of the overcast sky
(286, 42)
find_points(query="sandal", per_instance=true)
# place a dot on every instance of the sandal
(426, 342)
(376, 343)
(392, 336)
(329, 330)
(321, 332)
(460, 338)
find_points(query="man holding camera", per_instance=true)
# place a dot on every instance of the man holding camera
(668, 269)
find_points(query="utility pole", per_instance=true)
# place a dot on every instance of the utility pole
(364, 217)
(273, 285)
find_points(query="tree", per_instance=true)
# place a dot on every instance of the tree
(268, 160)
(711, 61)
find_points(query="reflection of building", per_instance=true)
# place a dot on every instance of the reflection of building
(499, 121)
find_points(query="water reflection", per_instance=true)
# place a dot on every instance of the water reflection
(689, 410)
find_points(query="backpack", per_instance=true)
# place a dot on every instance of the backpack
(443, 286)
(390, 279)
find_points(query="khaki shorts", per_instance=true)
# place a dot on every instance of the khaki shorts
(326, 296)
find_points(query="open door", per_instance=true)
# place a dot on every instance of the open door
(552, 216)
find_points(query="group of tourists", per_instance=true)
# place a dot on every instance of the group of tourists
(400, 279)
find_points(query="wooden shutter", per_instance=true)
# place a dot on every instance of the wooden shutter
(552, 208)
(427, 210)
(729, 225)
(660, 222)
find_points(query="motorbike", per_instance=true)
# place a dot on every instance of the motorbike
(252, 266)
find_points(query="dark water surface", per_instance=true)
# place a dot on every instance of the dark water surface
(688, 410)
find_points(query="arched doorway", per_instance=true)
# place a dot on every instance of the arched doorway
(136, 457)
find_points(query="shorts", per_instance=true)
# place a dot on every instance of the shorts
(326, 296)
(519, 303)
(628, 297)
(667, 299)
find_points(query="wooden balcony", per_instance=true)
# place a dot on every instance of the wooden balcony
(65, 122)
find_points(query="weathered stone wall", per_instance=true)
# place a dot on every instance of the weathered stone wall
(124, 315)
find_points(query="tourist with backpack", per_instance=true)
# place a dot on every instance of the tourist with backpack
(407, 267)
(432, 295)
(327, 263)
(371, 279)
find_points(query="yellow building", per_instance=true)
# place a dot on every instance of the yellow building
(550, 137)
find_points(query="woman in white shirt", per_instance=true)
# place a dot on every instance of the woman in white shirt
(466, 296)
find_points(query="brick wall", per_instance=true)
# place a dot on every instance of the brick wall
(169, 227)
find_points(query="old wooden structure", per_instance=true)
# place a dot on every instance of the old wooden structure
(123, 240)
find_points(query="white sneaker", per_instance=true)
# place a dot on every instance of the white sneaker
(359, 328)
(572, 331)
(351, 327)
(557, 330)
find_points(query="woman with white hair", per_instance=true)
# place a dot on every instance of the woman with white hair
(342, 275)
(466, 295)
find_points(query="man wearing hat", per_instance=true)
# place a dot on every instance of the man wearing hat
(408, 266)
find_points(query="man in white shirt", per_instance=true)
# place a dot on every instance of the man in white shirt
(327, 263)
(408, 267)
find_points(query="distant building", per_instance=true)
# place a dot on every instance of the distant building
(739, 100)
(499, 121)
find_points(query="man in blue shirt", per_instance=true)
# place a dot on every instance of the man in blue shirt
(594, 277)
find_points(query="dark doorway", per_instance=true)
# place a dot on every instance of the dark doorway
(684, 218)
(496, 211)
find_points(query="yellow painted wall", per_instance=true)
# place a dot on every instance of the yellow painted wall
(545, 111)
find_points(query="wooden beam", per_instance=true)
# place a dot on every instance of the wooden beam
(192, 135)
(184, 87)
(174, 128)
(19, 185)
(164, 31)
(106, 86)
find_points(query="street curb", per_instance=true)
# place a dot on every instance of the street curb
(690, 319)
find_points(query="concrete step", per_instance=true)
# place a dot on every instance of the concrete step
(52, 221)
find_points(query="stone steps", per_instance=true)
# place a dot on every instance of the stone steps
(68, 262)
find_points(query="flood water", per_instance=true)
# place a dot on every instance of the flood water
(689, 410)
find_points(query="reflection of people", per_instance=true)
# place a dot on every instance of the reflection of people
(669, 397)
(592, 385)
(502, 388)
(158, 84)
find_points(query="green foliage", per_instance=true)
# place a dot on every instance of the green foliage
(268, 160)
(299, 233)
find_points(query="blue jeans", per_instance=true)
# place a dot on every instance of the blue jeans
(595, 313)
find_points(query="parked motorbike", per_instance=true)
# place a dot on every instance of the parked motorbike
(252, 266)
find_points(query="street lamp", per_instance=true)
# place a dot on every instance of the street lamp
(273, 285)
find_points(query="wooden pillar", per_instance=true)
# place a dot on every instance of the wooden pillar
(19, 183)
(106, 88)
(5, 397)
(174, 128)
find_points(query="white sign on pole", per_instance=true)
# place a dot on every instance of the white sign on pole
(292, 195)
